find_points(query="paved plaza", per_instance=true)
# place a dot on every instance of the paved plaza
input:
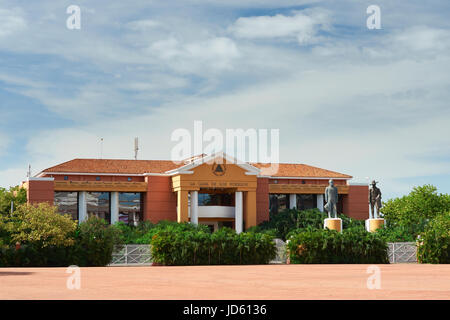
(397, 281)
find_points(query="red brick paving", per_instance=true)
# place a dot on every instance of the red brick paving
(398, 281)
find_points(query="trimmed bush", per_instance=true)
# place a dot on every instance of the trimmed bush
(434, 243)
(198, 247)
(94, 243)
(354, 245)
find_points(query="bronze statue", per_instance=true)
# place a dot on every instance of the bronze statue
(374, 200)
(331, 199)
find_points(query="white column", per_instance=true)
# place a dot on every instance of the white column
(114, 207)
(82, 206)
(292, 201)
(320, 202)
(238, 212)
(194, 207)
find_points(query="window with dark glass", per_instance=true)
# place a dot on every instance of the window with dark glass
(306, 201)
(99, 205)
(215, 199)
(129, 206)
(278, 203)
(67, 203)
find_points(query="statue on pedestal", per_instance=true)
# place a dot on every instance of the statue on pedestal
(374, 200)
(331, 199)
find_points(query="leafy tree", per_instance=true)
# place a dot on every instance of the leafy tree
(434, 242)
(291, 219)
(39, 225)
(415, 210)
(15, 194)
(282, 223)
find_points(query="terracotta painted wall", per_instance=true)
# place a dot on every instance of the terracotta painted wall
(40, 191)
(160, 202)
(262, 200)
(355, 204)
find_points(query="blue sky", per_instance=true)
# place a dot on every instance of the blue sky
(370, 103)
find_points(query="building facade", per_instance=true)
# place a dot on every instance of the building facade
(214, 190)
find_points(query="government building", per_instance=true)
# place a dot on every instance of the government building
(214, 190)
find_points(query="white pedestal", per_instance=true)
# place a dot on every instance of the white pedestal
(333, 224)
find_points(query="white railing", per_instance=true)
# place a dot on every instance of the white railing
(131, 254)
(280, 258)
(140, 254)
(402, 252)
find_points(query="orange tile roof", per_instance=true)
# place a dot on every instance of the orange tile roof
(115, 166)
(300, 170)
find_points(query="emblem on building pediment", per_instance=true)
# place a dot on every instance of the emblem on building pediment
(219, 169)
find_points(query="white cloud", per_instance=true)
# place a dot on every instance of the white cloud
(422, 38)
(303, 26)
(11, 21)
(197, 57)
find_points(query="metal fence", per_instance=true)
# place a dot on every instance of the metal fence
(281, 252)
(131, 254)
(140, 254)
(402, 252)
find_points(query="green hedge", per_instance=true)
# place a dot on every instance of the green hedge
(354, 245)
(198, 247)
(35, 256)
(434, 243)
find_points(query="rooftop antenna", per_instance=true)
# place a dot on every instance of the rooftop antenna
(29, 171)
(136, 147)
(101, 148)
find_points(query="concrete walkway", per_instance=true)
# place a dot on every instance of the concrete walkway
(398, 281)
